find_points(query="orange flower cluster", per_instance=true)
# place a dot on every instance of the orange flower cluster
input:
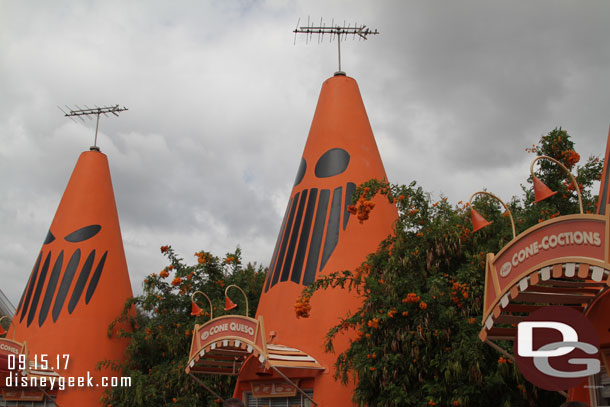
(362, 271)
(220, 283)
(373, 323)
(571, 157)
(392, 312)
(203, 257)
(371, 355)
(458, 290)
(472, 320)
(419, 234)
(302, 307)
(176, 281)
(164, 273)
(230, 259)
(164, 249)
(411, 297)
(423, 305)
(362, 208)
(456, 403)
(431, 403)
(502, 360)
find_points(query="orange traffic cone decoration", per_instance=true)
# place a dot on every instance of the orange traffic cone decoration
(196, 309)
(229, 305)
(541, 191)
(2, 331)
(478, 221)
(79, 283)
(318, 236)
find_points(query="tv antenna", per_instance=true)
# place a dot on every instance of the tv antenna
(92, 111)
(333, 30)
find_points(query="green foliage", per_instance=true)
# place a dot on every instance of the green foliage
(159, 327)
(417, 331)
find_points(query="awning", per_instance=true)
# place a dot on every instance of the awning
(563, 261)
(222, 345)
(283, 356)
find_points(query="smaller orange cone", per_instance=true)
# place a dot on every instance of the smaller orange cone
(196, 310)
(2, 331)
(478, 221)
(541, 191)
(229, 305)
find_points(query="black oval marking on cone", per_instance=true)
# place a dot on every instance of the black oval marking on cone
(64, 287)
(30, 287)
(277, 245)
(333, 162)
(332, 231)
(41, 279)
(95, 278)
(299, 259)
(280, 257)
(301, 172)
(293, 239)
(349, 191)
(81, 282)
(49, 237)
(48, 297)
(316, 238)
(83, 233)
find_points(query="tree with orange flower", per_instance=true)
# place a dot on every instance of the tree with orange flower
(162, 329)
(423, 291)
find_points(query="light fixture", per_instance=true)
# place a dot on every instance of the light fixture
(541, 191)
(479, 222)
(229, 305)
(196, 309)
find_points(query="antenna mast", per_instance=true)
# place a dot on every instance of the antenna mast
(340, 31)
(96, 111)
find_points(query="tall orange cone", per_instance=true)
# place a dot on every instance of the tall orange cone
(318, 236)
(79, 284)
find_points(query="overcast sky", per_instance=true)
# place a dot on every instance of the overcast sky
(220, 103)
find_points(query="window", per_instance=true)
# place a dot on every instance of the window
(297, 401)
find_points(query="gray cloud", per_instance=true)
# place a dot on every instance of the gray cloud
(220, 102)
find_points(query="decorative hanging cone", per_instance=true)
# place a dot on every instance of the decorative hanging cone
(478, 221)
(2, 331)
(79, 283)
(319, 236)
(196, 310)
(229, 305)
(541, 191)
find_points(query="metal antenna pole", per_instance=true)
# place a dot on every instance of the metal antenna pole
(97, 126)
(339, 51)
(115, 110)
(360, 30)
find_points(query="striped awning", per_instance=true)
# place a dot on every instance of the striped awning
(575, 285)
(222, 346)
(283, 356)
(38, 371)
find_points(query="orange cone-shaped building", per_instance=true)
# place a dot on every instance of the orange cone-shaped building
(317, 237)
(79, 284)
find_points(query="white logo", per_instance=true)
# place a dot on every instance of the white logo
(525, 333)
(506, 268)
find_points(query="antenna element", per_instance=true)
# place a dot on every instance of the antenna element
(96, 111)
(334, 30)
